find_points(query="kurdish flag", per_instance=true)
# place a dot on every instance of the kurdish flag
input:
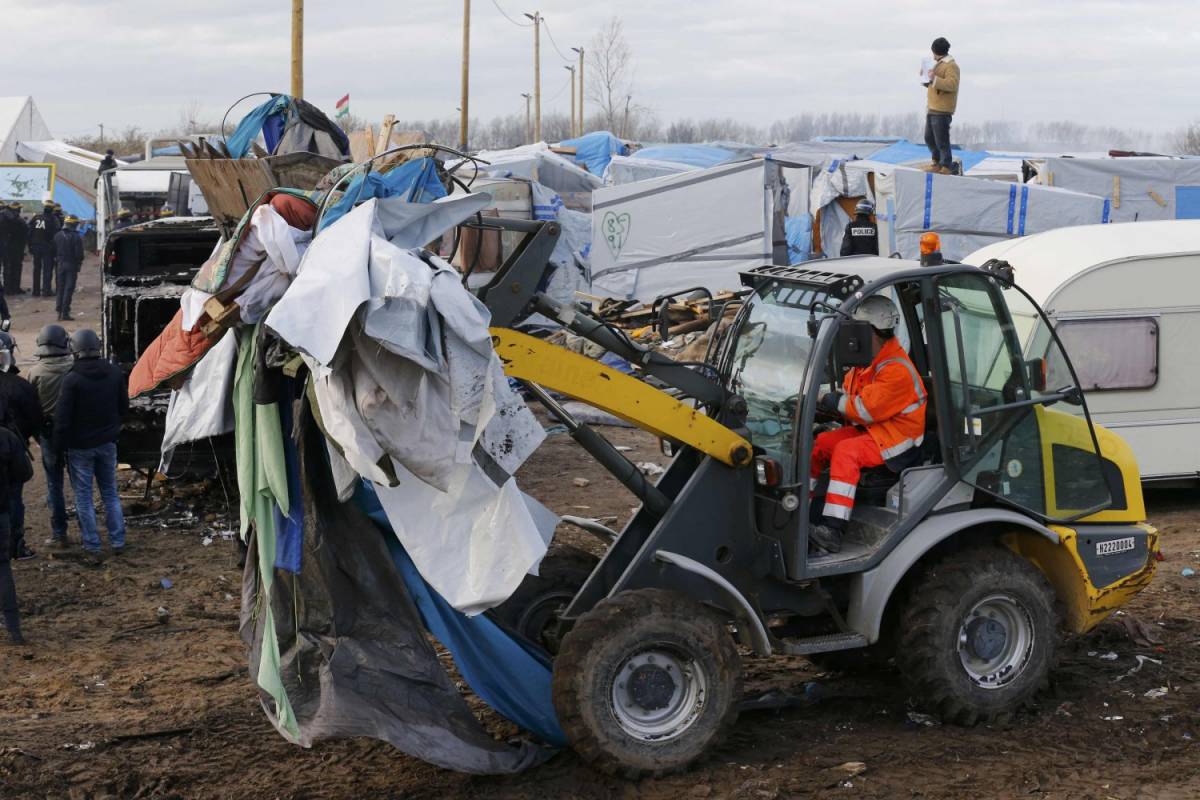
(343, 106)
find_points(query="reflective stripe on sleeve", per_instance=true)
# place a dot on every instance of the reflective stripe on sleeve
(860, 408)
(902, 447)
(837, 511)
(842, 488)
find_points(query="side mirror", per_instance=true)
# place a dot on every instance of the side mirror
(1035, 368)
(853, 345)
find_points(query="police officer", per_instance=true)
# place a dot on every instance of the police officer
(108, 162)
(862, 235)
(14, 468)
(53, 362)
(25, 419)
(68, 257)
(42, 228)
(14, 248)
(124, 218)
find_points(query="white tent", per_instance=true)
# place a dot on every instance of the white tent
(1138, 189)
(698, 228)
(20, 121)
(74, 166)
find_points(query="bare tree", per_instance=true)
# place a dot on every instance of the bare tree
(610, 81)
(1187, 140)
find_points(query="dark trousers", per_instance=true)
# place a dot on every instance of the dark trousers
(14, 264)
(937, 139)
(16, 518)
(55, 467)
(8, 588)
(43, 270)
(66, 289)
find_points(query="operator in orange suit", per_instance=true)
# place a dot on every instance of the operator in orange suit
(884, 408)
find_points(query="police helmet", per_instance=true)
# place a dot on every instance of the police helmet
(85, 344)
(864, 206)
(53, 340)
(879, 311)
(7, 342)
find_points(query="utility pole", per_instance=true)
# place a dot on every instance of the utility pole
(537, 75)
(528, 132)
(101, 133)
(466, 71)
(571, 69)
(625, 124)
(297, 48)
(581, 94)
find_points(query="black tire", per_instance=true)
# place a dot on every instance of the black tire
(948, 636)
(607, 722)
(534, 608)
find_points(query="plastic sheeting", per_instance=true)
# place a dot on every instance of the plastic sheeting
(912, 154)
(799, 238)
(627, 169)
(537, 163)
(415, 181)
(354, 657)
(695, 229)
(1138, 189)
(202, 407)
(968, 213)
(694, 155)
(594, 150)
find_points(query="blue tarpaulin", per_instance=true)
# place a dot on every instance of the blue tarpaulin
(594, 150)
(73, 201)
(417, 181)
(289, 528)
(507, 675)
(906, 152)
(697, 155)
(798, 231)
(266, 119)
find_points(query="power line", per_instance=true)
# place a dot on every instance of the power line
(510, 19)
(551, 35)
(563, 88)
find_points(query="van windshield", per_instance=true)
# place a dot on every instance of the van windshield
(770, 356)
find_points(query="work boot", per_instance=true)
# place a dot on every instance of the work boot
(66, 318)
(24, 553)
(932, 166)
(60, 543)
(945, 170)
(824, 540)
(12, 621)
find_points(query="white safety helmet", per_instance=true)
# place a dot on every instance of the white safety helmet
(879, 311)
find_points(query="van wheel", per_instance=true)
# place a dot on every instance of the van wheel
(978, 636)
(535, 607)
(646, 682)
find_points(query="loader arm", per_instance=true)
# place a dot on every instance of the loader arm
(531, 359)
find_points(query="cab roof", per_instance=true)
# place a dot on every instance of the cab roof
(843, 276)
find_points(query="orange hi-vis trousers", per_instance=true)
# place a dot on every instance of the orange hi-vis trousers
(847, 451)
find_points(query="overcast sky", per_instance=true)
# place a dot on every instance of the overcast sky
(1132, 63)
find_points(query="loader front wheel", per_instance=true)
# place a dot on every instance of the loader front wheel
(979, 636)
(646, 682)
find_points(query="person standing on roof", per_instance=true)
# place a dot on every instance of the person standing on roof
(14, 249)
(862, 236)
(87, 423)
(68, 256)
(54, 361)
(42, 228)
(108, 162)
(883, 406)
(941, 100)
(24, 419)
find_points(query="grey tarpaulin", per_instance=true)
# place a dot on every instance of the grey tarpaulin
(360, 663)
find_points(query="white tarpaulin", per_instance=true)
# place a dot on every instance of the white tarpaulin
(968, 213)
(414, 398)
(1138, 189)
(534, 162)
(698, 228)
(203, 406)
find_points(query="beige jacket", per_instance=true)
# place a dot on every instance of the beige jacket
(942, 94)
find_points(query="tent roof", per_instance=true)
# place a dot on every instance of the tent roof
(19, 121)
(906, 152)
(1045, 261)
(38, 152)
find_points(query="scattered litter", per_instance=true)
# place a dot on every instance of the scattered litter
(852, 768)
(1156, 693)
(1187, 572)
(1115, 718)
(206, 541)
(926, 720)
(1062, 710)
(80, 746)
(165, 583)
(163, 615)
(1141, 662)
(554, 430)
(1142, 634)
(580, 482)
(1109, 656)
(650, 468)
(623, 448)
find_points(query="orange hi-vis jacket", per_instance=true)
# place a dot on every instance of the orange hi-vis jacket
(888, 399)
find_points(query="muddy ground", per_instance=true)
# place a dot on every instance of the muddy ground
(107, 702)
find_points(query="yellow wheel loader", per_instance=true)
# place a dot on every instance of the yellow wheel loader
(1021, 519)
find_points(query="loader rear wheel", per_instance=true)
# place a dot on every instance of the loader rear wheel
(979, 636)
(534, 608)
(646, 682)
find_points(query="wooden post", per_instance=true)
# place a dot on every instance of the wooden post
(385, 134)
(297, 48)
(528, 129)
(466, 69)
(571, 69)
(537, 76)
(581, 94)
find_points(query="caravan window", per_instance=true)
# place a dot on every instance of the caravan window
(1108, 353)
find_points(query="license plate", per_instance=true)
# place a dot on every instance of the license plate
(1114, 546)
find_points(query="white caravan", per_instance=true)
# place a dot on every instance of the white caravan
(1125, 300)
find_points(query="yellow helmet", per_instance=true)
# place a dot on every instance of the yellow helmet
(124, 212)
(166, 212)
(70, 220)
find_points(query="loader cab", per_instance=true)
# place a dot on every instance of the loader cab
(991, 437)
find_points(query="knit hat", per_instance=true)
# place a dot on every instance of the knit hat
(940, 46)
